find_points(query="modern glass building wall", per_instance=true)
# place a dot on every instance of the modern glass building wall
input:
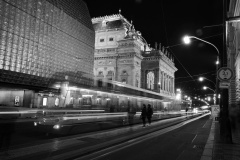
(45, 39)
(43, 42)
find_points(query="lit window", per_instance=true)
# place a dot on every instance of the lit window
(150, 80)
(45, 101)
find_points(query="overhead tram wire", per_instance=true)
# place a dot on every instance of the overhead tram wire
(165, 29)
(179, 44)
(196, 75)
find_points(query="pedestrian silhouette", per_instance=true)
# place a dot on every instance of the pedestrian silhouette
(149, 114)
(144, 115)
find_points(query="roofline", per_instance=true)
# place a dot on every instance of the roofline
(110, 18)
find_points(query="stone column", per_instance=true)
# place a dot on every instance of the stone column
(173, 85)
(163, 86)
(167, 83)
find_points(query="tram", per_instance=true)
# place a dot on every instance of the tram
(118, 107)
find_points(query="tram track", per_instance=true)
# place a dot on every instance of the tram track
(135, 140)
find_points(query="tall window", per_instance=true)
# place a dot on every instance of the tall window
(137, 78)
(100, 84)
(150, 80)
(124, 81)
(110, 83)
(136, 83)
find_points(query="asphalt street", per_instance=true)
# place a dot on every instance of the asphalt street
(186, 142)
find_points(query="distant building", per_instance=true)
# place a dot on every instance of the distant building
(123, 55)
(44, 43)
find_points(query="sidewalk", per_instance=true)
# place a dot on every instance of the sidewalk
(216, 149)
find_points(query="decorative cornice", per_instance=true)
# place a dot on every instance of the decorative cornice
(110, 18)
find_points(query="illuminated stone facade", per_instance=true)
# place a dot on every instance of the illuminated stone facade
(123, 55)
(44, 42)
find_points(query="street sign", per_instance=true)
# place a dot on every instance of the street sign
(224, 74)
(224, 84)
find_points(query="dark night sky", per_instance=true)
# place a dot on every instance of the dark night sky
(166, 22)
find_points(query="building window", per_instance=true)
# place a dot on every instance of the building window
(136, 83)
(110, 72)
(56, 102)
(110, 83)
(44, 101)
(71, 100)
(150, 80)
(100, 73)
(124, 81)
(100, 84)
(124, 72)
(87, 100)
(98, 101)
(111, 39)
(101, 40)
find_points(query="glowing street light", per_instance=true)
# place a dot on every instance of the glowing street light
(186, 40)
(203, 78)
(205, 87)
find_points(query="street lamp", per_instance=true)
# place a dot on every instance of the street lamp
(205, 87)
(187, 40)
(204, 78)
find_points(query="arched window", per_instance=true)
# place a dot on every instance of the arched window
(110, 72)
(100, 83)
(124, 72)
(124, 81)
(150, 80)
(100, 73)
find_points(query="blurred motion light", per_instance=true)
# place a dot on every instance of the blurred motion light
(57, 126)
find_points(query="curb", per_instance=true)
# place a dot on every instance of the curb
(208, 149)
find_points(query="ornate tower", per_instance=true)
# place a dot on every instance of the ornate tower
(118, 48)
(123, 55)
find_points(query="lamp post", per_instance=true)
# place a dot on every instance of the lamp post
(205, 87)
(187, 40)
(203, 78)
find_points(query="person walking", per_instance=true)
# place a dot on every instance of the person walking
(149, 114)
(144, 115)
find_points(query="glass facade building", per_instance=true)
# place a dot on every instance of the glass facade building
(45, 41)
